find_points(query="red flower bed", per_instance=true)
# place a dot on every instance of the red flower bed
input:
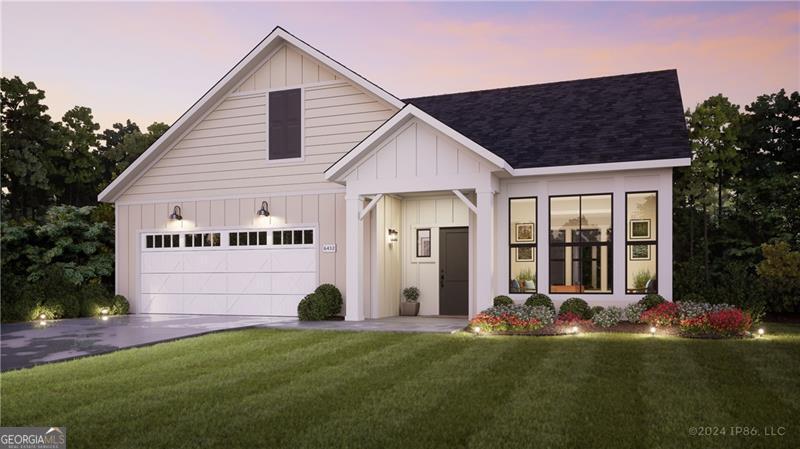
(664, 314)
(567, 320)
(504, 322)
(724, 323)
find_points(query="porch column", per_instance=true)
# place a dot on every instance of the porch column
(484, 251)
(354, 302)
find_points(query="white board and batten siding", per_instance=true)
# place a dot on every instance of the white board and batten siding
(418, 157)
(219, 174)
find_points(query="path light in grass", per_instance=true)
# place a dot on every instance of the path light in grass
(43, 322)
(575, 329)
(42, 317)
(760, 331)
(652, 330)
(476, 329)
(104, 313)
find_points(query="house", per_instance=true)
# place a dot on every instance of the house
(293, 170)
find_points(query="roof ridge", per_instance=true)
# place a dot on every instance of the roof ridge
(496, 89)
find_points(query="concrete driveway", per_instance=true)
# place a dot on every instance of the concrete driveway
(24, 345)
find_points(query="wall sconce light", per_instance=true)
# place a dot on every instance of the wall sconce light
(264, 211)
(393, 235)
(176, 214)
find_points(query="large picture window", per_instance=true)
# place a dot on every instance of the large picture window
(522, 245)
(580, 244)
(641, 220)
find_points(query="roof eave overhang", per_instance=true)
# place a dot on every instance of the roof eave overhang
(604, 167)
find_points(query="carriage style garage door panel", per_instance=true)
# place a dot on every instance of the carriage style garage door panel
(224, 273)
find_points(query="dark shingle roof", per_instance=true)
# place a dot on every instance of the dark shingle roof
(611, 119)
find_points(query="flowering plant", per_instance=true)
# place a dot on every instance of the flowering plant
(512, 318)
(689, 309)
(664, 314)
(633, 312)
(726, 323)
(608, 317)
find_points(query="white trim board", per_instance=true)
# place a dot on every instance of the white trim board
(218, 92)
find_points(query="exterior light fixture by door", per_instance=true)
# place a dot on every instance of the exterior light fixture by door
(393, 235)
(176, 214)
(264, 211)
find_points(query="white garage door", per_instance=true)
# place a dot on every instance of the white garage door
(227, 272)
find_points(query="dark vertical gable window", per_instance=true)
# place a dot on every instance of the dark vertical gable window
(284, 124)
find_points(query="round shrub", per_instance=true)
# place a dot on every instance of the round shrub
(577, 306)
(652, 300)
(120, 305)
(502, 300)
(332, 298)
(313, 307)
(595, 310)
(540, 299)
(607, 317)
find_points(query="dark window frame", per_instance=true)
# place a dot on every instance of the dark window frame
(274, 136)
(629, 242)
(416, 243)
(608, 243)
(535, 246)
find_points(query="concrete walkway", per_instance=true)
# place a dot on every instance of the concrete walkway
(24, 345)
(391, 324)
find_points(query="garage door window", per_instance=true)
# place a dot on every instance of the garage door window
(163, 241)
(251, 238)
(199, 240)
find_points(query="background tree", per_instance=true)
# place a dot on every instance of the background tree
(28, 145)
(80, 170)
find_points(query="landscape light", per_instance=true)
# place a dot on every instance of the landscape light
(42, 317)
(104, 311)
(43, 322)
(476, 329)
(104, 317)
(574, 329)
(760, 331)
(652, 330)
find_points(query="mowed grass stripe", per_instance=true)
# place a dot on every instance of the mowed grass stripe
(678, 395)
(544, 403)
(748, 404)
(611, 389)
(167, 406)
(776, 366)
(390, 417)
(311, 398)
(63, 387)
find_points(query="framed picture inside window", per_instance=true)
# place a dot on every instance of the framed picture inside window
(640, 229)
(525, 254)
(423, 243)
(640, 252)
(524, 232)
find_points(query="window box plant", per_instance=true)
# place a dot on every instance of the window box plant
(409, 306)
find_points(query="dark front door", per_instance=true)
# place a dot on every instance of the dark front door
(453, 271)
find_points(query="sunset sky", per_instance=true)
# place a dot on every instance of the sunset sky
(151, 61)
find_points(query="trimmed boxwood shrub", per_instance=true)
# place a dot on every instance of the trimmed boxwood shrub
(502, 300)
(332, 298)
(577, 306)
(595, 310)
(652, 300)
(540, 299)
(120, 305)
(313, 307)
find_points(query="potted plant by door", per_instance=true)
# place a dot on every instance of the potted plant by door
(410, 306)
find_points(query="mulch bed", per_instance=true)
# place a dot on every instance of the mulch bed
(621, 328)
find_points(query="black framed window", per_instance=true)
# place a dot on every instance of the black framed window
(285, 124)
(522, 219)
(162, 241)
(641, 242)
(581, 251)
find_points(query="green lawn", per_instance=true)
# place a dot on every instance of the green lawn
(315, 389)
